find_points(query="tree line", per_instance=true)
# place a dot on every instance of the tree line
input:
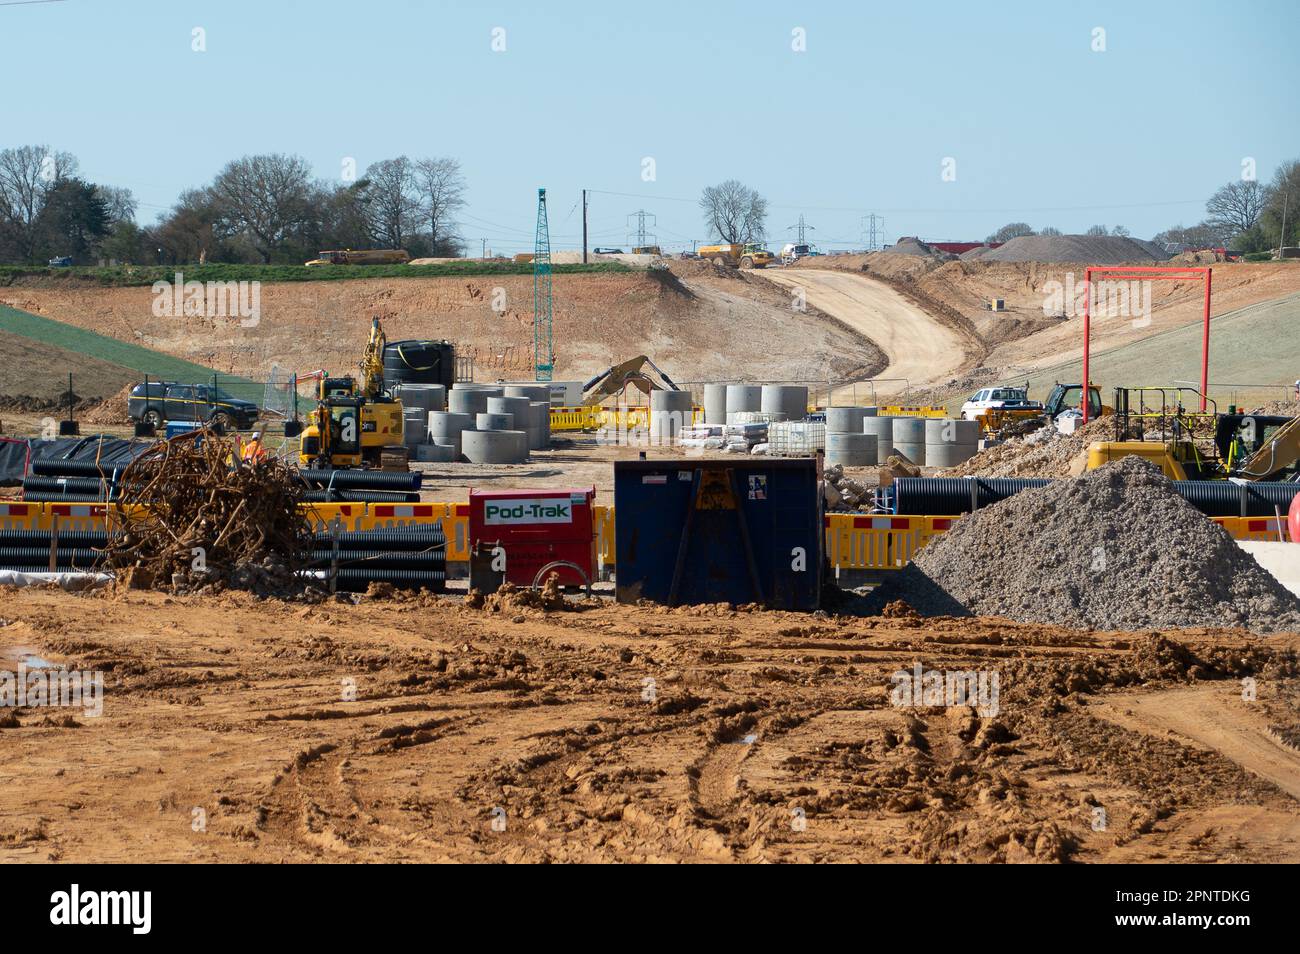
(265, 209)
(1244, 215)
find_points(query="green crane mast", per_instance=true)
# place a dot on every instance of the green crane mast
(543, 356)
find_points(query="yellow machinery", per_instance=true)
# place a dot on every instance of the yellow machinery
(639, 372)
(1062, 398)
(369, 256)
(1198, 445)
(746, 255)
(356, 427)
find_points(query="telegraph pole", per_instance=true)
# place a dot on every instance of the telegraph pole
(584, 226)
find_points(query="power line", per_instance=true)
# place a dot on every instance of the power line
(924, 211)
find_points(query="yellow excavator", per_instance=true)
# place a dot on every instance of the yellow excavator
(1154, 423)
(356, 426)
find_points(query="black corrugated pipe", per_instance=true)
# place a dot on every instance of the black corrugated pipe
(363, 479)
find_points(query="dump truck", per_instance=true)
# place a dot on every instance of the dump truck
(738, 255)
(368, 256)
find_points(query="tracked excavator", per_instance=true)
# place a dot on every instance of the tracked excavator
(356, 425)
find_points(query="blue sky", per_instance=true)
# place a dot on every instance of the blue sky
(1042, 128)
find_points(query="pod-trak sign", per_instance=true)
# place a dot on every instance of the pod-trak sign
(535, 510)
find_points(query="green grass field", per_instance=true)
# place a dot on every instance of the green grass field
(103, 350)
(134, 275)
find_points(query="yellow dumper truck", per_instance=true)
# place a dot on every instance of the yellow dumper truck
(738, 255)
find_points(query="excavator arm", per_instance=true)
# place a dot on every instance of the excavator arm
(372, 363)
(1280, 451)
(639, 372)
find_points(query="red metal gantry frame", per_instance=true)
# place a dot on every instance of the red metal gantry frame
(1146, 273)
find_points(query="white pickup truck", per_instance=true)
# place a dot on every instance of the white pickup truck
(997, 398)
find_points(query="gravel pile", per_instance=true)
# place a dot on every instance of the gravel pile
(1115, 549)
(1084, 249)
(914, 246)
(1042, 453)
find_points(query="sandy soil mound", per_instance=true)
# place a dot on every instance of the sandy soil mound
(111, 410)
(1089, 249)
(1114, 549)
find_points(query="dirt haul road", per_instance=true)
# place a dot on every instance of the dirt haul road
(919, 347)
(233, 729)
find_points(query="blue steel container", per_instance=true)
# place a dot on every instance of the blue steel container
(719, 531)
(175, 428)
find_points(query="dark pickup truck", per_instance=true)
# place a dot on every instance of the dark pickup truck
(168, 401)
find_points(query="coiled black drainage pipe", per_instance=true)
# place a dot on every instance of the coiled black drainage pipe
(1215, 498)
(953, 495)
(41, 538)
(1222, 498)
(55, 467)
(75, 485)
(361, 496)
(391, 559)
(362, 479)
(45, 496)
(356, 581)
(428, 536)
(40, 557)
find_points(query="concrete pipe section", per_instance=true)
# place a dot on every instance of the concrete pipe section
(534, 392)
(948, 441)
(670, 411)
(494, 422)
(742, 398)
(435, 453)
(790, 400)
(446, 427)
(494, 447)
(425, 397)
(845, 420)
(517, 407)
(715, 404)
(539, 426)
(909, 438)
(470, 400)
(883, 430)
(851, 450)
(415, 426)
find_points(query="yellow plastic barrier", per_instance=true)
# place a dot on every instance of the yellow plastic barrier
(594, 418)
(912, 410)
(853, 541)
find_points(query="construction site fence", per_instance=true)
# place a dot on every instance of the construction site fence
(875, 542)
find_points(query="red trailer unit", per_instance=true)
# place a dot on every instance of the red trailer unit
(537, 528)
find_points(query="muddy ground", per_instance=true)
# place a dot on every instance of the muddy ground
(621, 733)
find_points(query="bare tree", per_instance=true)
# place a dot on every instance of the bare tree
(442, 193)
(1236, 207)
(1120, 231)
(1050, 230)
(1011, 230)
(265, 198)
(734, 212)
(1097, 230)
(120, 202)
(28, 176)
(393, 200)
